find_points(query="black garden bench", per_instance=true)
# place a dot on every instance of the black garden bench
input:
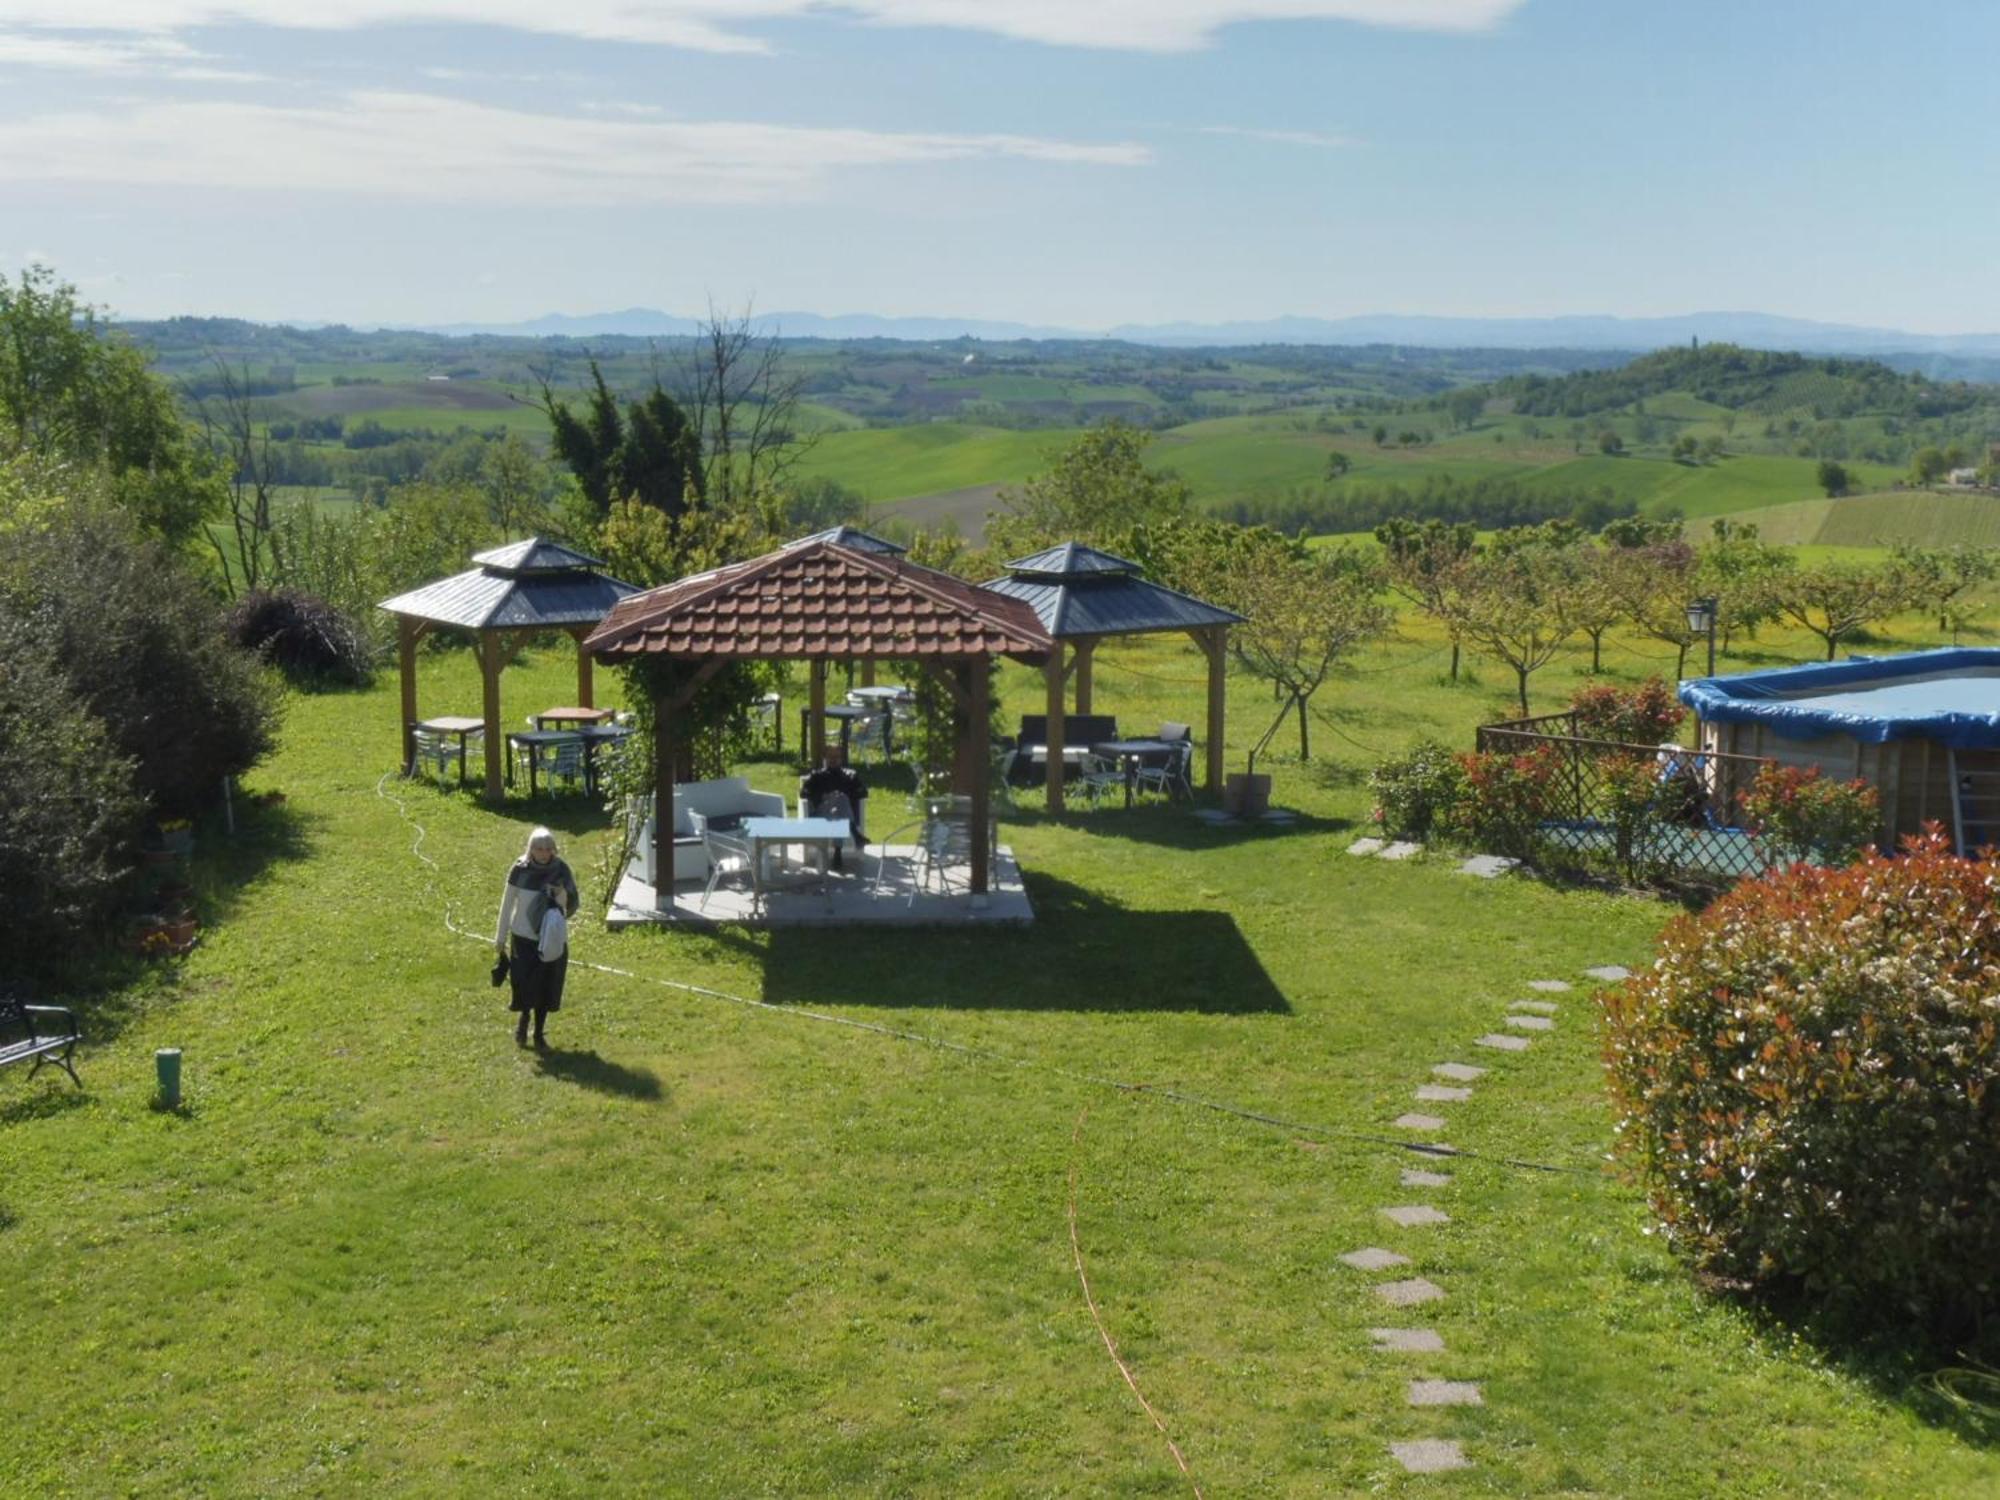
(47, 1033)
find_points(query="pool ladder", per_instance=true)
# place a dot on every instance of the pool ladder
(1975, 801)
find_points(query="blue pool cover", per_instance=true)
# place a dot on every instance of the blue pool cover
(1951, 695)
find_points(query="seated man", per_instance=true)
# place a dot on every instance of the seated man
(835, 778)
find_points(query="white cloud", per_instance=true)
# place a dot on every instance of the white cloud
(719, 25)
(155, 56)
(1281, 137)
(422, 146)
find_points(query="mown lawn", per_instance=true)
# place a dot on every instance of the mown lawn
(715, 1248)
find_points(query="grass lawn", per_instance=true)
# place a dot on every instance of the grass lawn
(709, 1247)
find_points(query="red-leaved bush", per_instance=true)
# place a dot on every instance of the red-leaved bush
(1805, 1083)
(1505, 798)
(1644, 715)
(1795, 813)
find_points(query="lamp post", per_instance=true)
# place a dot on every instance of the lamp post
(1701, 621)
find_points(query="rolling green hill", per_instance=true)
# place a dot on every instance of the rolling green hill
(1918, 518)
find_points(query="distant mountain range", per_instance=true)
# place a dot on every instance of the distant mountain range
(1758, 330)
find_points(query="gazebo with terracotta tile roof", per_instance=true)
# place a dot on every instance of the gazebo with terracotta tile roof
(823, 601)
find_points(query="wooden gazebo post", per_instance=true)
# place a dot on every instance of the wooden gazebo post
(1214, 643)
(586, 687)
(1054, 673)
(489, 673)
(408, 632)
(1086, 648)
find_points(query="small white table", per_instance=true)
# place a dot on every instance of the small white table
(765, 834)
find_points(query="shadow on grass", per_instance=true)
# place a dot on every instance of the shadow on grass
(588, 1070)
(1173, 825)
(42, 1102)
(1083, 954)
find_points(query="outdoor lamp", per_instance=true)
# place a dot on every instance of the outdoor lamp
(1701, 621)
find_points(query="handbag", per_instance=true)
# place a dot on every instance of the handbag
(499, 971)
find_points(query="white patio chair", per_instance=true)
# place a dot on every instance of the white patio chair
(729, 857)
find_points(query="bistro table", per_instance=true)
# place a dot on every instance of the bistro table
(766, 834)
(1132, 754)
(570, 718)
(847, 713)
(589, 739)
(880, 697)
(457, 726)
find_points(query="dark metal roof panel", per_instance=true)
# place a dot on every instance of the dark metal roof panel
(479, 600)
(1118, 604)
(535, 556)
(852, 536)
(1072, 560)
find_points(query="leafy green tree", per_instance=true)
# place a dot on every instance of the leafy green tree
(1712, 448)
(71, 392)
(1685, 448)
(1305, 615)
(1337, 464)
(1424, 560)
(1516, 602)
(1833, 478)
(515, 480)
(1100, 485)
(649, 452)
(1741, 572)
(1838, 600)
(1466, 406)
(1609, 442)
(1929, 465)
(1942, 579)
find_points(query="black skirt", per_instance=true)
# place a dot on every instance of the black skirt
(536, 985)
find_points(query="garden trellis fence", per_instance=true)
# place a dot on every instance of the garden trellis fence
(1687, 816)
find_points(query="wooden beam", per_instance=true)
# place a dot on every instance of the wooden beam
(868, 672)
(947, 678)
(489, 673)
(1054, 673)
(664, 709)
(815, 745)
(684, 695)
(980, 759)
(1214, 642)
(1085, 650)
(406, 661)
(586, 688)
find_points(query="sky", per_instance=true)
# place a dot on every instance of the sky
(1081, 163)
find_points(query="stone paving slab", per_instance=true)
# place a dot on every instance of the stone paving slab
(1444, 1393)
(1458, 1072)
(1438, 1093)
(1367, 846)
(1539, 1007)
(1400, 850)
(1488, 866)
(1549, 986)
(1609, 973)
(1408, 1293)
(1531, 1023)
(1407, 1340)
(1373, 1259)
(1413, 1178)
(1430, 1456)
(1502, 1043)
(1414, 1121)
(1415, 1215)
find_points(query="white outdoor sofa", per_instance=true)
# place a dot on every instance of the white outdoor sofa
(694, 803)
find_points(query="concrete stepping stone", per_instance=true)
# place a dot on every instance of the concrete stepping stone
(1531, 1023)
(1458, 1072)
(1400, 850)
(1429, 1456)
(1409, 1293)
(1488, 866)
(1438, 1093)
(1415, 1215)
(1372, 1259)
(1609, 973)
(1367, 846)
(1444, 1393)
(1414, 1121)
(1539, 1007)
(1500, 1042)
(1407, 1340)
(1414, 1178)
(1549, 986)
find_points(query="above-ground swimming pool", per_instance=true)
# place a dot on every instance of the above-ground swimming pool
(1923, 728)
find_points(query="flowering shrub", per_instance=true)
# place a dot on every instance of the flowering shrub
(1507, 797)
(1636, 805)
(1804, 1082)
(1418, 791)
(1644, 715)
(1795, 813)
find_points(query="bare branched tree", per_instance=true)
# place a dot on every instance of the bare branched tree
(743, 398)
(242, 450)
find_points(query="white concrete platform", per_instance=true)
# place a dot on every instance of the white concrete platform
(849, 898)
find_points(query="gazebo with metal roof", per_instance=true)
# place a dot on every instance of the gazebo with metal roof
(823, 601)
(1083, 596)
(516, 591)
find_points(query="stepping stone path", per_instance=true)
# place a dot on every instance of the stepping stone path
(1406, 1341)
(1444, 1393)
(1372, 1259)
(1458, 1072)
(1414, 1215)
(1400, 850)
(1366, 846)
(1500, 1043)
(1429, 1456)
(1438, 1093)
(1539, 1007)
(1413, 1178)
(1610, 973)
(1420, 1122)
(1409, 1293)
(1531, 1023)
(1549, 986)
(1488, 866)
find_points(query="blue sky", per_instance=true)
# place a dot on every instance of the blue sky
(1052, 161)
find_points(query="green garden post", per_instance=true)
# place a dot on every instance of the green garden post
(167, 1064)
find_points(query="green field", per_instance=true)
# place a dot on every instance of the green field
(718, 1245)
(887, 464)
(1915, 518)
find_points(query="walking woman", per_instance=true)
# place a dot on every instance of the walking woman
(535, 909)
